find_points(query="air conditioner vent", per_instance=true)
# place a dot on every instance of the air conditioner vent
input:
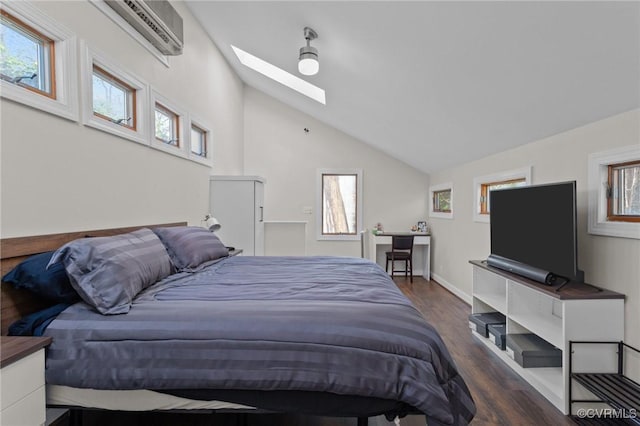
(147, 21)
(156, 20)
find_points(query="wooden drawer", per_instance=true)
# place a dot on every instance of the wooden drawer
(28, 411)
(22, 378)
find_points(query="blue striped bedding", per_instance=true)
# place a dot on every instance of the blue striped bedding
(320, 324)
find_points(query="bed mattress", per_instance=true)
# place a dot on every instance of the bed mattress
(131, 400)
(309, 324)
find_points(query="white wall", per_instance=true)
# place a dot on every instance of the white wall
(277, 148)
(612, 263)
(79, 178)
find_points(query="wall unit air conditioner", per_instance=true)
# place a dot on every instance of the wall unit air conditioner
(156, 20)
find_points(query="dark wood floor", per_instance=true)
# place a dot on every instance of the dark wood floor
(501, 396)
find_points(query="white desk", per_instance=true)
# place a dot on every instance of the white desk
(381, 243)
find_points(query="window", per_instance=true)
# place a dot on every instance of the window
(339, 201)
(199, 147)
(113, 99)
(168, 132)
(483, 186)
(340, 204)
(623, 192)
(167, 127)
(198, 141)
(614, 192)
(27, 56)
(441, 201)
(38, 62)
(486, 188)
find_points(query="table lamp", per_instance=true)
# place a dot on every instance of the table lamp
(211, 223)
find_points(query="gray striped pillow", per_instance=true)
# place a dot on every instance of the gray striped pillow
(108, 272)
(190, 247)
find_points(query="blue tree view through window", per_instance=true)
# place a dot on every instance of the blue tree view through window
(24, 56)
(164, 127)
(112, 100)
(167, 125)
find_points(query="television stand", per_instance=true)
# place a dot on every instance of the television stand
(577, 312)
(567, 281)
(561, 286)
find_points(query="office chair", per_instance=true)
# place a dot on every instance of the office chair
(401, 249)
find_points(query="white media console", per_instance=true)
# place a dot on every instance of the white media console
(577, 312)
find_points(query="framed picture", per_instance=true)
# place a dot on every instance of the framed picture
(422, 226)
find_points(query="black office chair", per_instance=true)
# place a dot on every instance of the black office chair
(401, 249)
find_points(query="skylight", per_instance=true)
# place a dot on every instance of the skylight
(280, 75)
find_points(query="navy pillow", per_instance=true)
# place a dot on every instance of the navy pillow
(52, 284)
(36, 323)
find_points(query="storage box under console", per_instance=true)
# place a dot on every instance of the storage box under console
(531, 351)
(498, 333)
(479, 322)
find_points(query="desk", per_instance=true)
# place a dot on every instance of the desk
(381, 243)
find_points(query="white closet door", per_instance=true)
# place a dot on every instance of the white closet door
(259, 218)
(232, 205)
(238, 203)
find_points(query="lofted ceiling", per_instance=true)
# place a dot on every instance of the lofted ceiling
(438, 84)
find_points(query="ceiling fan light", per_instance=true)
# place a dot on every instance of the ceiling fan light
(308, 62)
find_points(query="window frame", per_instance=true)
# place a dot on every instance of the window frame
(48, 44)
(436, 206)
(139, 133)
(433, 190)
(115, 81)
(174, 118)
(181, 117)
(320, 173)
(63, 64)
(207, 159)
(484, 181)
(612, 217)
(203, 144)
(599, 222)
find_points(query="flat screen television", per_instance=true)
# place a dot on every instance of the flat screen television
(534, 228)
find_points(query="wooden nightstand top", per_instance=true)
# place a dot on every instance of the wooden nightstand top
(14, 348)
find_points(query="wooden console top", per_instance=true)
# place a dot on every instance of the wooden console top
(14, 348)
(573, 290)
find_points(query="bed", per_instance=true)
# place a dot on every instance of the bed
(315, 335)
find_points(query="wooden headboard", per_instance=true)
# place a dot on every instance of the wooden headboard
(17, 303)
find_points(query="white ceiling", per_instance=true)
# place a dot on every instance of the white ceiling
(437, 84)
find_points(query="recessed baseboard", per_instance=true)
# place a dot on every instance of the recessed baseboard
(453, 289)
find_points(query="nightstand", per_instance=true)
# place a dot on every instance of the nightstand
(235, 252)
(22, 380)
